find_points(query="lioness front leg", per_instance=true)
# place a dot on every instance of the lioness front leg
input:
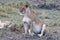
(25, 28)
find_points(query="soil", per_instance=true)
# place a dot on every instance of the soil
(14, 35)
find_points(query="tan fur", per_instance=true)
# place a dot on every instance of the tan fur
(35, 19)
(4, 24)
(39, 24)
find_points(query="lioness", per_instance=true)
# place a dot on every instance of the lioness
(37, 27)
(6, 24)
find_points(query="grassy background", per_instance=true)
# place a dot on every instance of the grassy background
(9, 11)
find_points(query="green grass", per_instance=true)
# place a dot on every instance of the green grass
(10, 12)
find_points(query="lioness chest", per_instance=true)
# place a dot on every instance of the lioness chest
(26, 20)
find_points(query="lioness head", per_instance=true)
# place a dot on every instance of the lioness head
(22, 8)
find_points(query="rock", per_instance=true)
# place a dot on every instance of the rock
(47, 17)
(50, 38)
(55, 32)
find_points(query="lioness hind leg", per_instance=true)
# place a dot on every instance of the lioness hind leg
(42, 31)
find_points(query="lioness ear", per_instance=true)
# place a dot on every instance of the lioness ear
(21, 5)
(26, 5)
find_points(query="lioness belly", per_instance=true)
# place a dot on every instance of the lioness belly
(36, 29)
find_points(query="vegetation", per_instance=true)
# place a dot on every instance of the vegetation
(9, 11)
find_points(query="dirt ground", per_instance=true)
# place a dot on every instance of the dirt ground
(53, 34)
